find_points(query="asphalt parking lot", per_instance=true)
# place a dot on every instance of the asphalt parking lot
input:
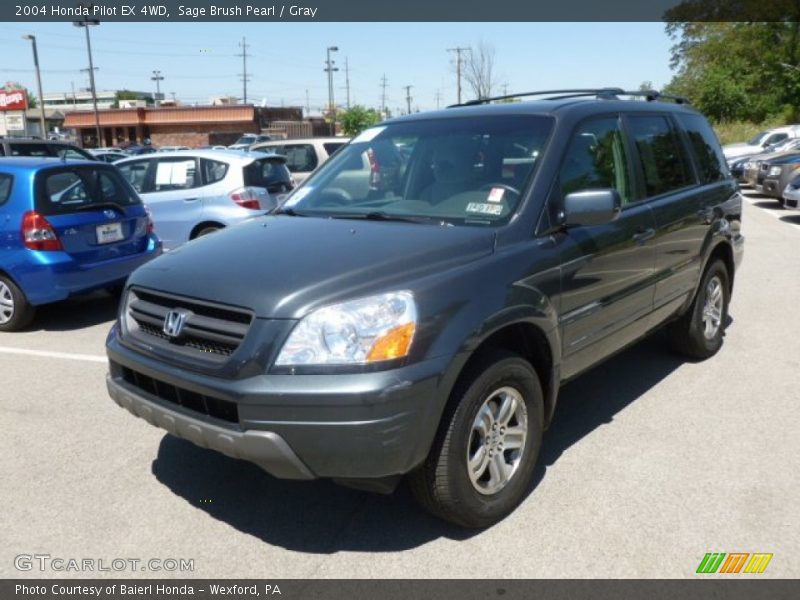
(651, 463)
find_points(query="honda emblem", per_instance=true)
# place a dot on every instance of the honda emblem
(174, 322)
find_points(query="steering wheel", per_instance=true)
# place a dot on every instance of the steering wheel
(505, 186)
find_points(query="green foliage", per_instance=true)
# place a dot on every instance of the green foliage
(33, 101)
(735, 71)
(357, 119)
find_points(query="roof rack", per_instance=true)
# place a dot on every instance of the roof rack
(608, 93)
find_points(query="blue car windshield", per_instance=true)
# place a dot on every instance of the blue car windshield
(462, 171)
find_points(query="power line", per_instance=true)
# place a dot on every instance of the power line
(244, 46)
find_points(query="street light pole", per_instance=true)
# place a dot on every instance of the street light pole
(86, 23)
(158, 79)
(329, 68)
(42, 123)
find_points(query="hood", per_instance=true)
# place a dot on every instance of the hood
(282, 267)
(782, 158)
(740, 149)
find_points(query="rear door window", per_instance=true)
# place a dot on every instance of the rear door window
(331, 147)
(75, 189)
(707, 152)
(176, 174)
(664, 164)
(5, 187)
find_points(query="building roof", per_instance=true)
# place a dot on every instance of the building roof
(240, 113)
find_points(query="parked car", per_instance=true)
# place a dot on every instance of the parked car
(210, 147)
(423, 325)
(303, 155)
(779, 173)
(10, 146)
(756, 169)
(68, 227)
(761, 141)
(135, 149)
(108, 154)
(173, 148)
(247, 140)
(790, 198)
(195, 192)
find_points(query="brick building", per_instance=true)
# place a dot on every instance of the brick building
(177, 125)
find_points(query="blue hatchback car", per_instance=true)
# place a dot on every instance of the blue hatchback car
(66, 227)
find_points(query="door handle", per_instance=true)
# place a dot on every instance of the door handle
(195, 199)
(642, 235)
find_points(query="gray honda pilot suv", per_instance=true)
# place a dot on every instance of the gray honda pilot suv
(414, 307)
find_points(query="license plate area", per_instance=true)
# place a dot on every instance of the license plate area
(109, 233)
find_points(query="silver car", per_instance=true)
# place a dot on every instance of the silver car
(191, 193)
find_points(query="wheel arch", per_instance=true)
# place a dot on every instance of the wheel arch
(200, 226)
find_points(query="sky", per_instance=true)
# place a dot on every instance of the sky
(286, 62)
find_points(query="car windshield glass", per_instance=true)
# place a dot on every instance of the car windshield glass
(757, 139)
(470, 171)
(246, 139)
(79, 188)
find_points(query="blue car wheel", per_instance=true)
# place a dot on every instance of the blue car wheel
(15, 311)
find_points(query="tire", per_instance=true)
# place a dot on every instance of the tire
(698, 334)
(443, 485)
(205, 231)
(15, 311)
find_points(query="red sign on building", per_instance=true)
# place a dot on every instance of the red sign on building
(13, 100)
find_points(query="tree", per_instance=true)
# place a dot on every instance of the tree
(479, 69)
(358, 118)
(737, 70)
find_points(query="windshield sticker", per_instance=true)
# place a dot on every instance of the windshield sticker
(368, 135)
(484, 209)
(496, 194)
(298, 195)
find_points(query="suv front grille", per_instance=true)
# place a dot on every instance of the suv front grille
(209, 330)
(199, 403)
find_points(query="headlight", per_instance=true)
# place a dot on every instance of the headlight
(774, 171)
(361, 331)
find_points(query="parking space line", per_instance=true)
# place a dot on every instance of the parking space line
(47, 354)
(753, 198)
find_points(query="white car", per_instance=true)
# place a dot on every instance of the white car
(303, 155)
(172, 148)
(760, 142)
(195, 192)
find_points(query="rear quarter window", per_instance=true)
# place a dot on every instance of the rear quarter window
(708, 155)
(6, 182)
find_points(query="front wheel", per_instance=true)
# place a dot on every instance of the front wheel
(698, 334)
(482, 460)
(15, 311)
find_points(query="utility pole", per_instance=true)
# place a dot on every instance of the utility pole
(505, 89)
(438, 99)
(459, 51)
(329, 69)
(383, 95)
(244, 45)
(158, 79)
(42, 124)
(408, 97)
(347, 80)
(308, 104)
(86, 23)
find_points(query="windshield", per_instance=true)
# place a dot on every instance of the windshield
(756, 141)
(456, 170)
(246, 139)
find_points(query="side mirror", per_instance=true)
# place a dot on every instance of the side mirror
(591, 207)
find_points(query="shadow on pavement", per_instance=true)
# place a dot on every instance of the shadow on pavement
(793, 219)
(321, 517)
(768, 204)
(76, 313)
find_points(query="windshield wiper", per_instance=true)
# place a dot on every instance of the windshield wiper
(101, 206)
(379, 215)
(287, 211)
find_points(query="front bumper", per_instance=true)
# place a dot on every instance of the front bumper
(349, 426)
